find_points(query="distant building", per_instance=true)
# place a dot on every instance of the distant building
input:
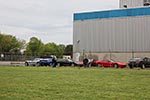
(118, 34)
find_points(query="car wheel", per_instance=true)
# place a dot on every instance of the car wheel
(72, 65)
(131, 67)
(115, 65)
(99, 65)
(90, 65)
(143, 66)
(37, 64)
(58, 64)
(50, 64)
(26, 64)
(45, 64)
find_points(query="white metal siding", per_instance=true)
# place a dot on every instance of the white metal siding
(112, 35)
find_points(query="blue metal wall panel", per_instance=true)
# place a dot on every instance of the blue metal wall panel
(112, 14)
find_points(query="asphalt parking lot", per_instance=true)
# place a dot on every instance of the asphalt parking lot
(12, 63)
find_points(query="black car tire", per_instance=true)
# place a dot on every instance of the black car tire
(26, 64)
(58, 64)
(115, 65)
(99, 65)
(131, 67)
(142, 66)
(37, 64)
(72, 64)
(89, 65)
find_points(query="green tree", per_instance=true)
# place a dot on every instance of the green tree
(53, 49)
(61, 49)
(9, 43)
(34, 47)
(50, 49)
(68, 50)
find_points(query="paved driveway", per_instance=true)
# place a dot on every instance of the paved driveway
(11, 63)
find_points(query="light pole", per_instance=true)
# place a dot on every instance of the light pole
(77, 57)
(78, 45)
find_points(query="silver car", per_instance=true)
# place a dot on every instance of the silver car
(34, 62)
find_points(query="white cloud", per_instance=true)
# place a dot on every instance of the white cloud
(49, 20)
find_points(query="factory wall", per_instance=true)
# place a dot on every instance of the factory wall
(113, 35)
(117, 32)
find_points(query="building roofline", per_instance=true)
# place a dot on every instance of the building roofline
(129, 12)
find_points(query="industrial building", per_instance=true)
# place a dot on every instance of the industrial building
(118, 34)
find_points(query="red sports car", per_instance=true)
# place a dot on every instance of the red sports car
(92, 63)
(108, 63)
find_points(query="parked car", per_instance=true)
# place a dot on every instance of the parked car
(110, 63)
(66, 62)
(79, 63)
(34, 62)
(92, 63)
(45, 62)
(139, 62)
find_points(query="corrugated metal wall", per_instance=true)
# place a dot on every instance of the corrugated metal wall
(112, 35)
(131, 3)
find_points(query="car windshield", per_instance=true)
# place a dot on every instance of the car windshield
(135, 59)
(36, 59)
(111, 60)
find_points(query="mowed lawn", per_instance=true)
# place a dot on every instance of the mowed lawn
(66, 83)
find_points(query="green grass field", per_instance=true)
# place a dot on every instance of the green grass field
(45, 83)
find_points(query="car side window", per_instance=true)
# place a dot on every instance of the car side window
(105, 60)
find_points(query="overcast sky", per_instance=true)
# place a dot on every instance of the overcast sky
(48, 20)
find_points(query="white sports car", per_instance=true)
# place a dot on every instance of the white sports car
(34, 62)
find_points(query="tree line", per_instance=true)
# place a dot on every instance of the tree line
(35, 47)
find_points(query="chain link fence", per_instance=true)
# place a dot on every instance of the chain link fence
(6, 56)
